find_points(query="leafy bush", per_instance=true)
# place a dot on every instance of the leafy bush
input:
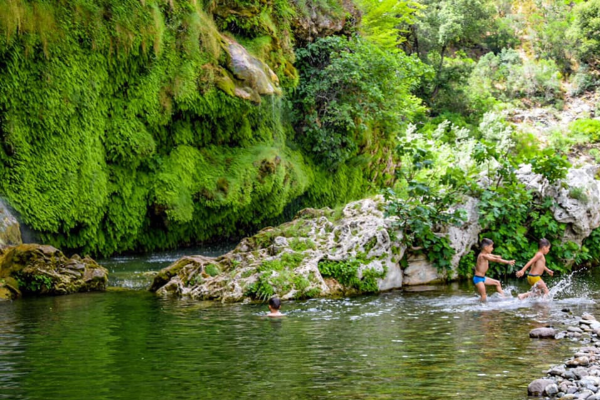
(506, 77)
(551, 165)
(347, 274)
(423, 207)
(586, 127)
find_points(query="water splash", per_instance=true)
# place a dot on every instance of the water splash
(569, 288)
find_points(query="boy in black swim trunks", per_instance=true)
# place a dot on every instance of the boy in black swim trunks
(483, 259)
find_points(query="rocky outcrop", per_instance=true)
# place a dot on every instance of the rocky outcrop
(39, 269)
(303, 258)
(10, 231)
(314, 22)
(577, 204)
(251, 76)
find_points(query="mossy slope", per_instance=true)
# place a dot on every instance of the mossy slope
(120, 129)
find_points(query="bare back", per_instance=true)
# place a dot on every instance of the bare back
(538, 266)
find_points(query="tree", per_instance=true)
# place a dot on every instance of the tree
(384, 22)
(586, 32)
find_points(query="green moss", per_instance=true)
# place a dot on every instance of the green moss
(271, 265)
(120, 131)
(346, 273)
(292, 260)
(212, 270)
(298, 244)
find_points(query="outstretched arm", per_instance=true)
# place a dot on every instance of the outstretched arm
(498, 259)
(521, 272)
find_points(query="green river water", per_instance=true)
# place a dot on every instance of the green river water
(432, 342)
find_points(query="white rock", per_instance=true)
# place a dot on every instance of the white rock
(581, 215)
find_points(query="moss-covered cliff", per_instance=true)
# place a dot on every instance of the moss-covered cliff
(146, 124)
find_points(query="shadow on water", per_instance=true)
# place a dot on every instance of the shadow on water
(421, 343)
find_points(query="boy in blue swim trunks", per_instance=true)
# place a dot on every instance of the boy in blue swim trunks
(538, 266)
(483, 259)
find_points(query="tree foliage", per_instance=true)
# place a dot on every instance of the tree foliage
(353, 98)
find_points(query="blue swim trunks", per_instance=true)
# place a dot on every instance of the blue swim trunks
(477, 279)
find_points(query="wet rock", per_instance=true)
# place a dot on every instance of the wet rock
(561, 335)
(542, 333)
(253, 77)
(552, 389)
(10, 231)
(538, 387)
(557, 371)
(39, 269)
(574, 329)
(588, 317)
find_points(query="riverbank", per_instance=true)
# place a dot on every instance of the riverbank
(579, 376)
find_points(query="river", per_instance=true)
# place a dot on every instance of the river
(429, 342)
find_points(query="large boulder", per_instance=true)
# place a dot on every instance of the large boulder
(319, 253)
(10, 231)
(286, 260)
(39, 269)
(577, 199)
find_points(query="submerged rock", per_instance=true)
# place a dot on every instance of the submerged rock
(40, 269)
(10, 231)
(319, 253)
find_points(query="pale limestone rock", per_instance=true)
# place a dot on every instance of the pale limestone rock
(361, 232)
(420, 271)
(581, 214)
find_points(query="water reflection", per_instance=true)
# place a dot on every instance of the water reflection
(429, 344)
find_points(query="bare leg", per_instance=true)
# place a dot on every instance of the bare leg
(494, 282)
(481, 289)
(541, 285)
(524, 295)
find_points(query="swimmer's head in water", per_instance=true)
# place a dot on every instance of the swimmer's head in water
(274, 303)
